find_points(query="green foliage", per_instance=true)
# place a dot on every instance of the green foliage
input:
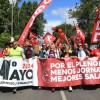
(16, 37)
(39, 24)
(26, 12)
(4, 10)
(21, 16)
(85, 14)
(68, 29)
(4, 39)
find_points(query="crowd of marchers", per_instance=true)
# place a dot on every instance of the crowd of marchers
(49, 51)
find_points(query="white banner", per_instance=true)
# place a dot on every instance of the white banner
(16, 72)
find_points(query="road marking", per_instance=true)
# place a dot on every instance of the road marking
(63, 95)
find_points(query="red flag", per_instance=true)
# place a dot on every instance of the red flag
(80, 34)
(42, 6)
(58, 41)
(32, 35)
(27, 42)
(63, 36)
(49, 38)
(75, 39)
(66, 40)
(34, 42)
(96, 30)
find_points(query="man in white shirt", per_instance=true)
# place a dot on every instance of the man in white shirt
(81, 51)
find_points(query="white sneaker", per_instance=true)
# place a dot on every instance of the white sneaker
(70, 89)
(39, 87)
(14, 90)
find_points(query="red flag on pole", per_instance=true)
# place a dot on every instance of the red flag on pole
(32, 35)
(42, 6)
(63, 36)
(58, 41)
(49, 38)
(34, 42)
(80, 34)
(96, 30)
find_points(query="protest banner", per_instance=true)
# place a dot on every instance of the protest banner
(16, 72)
(70, 72)
(50, 72)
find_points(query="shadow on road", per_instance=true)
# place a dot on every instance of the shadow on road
(84, 87)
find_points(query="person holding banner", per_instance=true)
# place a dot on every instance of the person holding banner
(16, 52)
(52, 53)
(37, 52)
(96, 51)
(66, 55)
(6, 50)
(86, 47)
(80, 51)
(63, 51)
(28, 52)
(1, 54)
(44, 50)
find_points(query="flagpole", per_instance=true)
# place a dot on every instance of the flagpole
(18, 17)
(65, 25)
(12, 21)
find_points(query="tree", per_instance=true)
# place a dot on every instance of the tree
(4, 38)
(21, 15)
(4, 12)
(26, 11)
(68, 29)
(85, 14)
(39, 24)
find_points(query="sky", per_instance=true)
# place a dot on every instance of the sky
(57, 12)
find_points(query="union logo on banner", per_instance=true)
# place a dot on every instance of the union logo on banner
(96, 30)
(49, 38)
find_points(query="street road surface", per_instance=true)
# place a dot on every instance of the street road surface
(29, 93)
